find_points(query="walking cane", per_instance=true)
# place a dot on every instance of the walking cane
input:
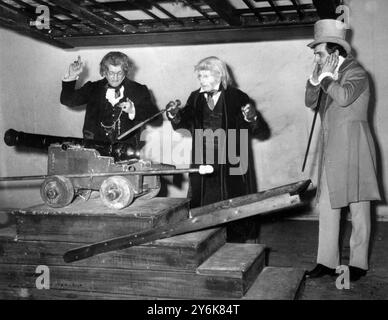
(312, 128)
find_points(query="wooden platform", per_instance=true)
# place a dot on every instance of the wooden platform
(294, 243)
(197, 265)
(90, 221)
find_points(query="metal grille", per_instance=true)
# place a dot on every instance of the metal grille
(98, 22)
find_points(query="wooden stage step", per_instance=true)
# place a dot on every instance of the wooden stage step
(184, 252)
(235, 260)
(224, 276)
(277, 283)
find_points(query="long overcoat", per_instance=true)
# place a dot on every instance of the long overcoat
(346, 146)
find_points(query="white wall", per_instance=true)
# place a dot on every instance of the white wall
(273, 74)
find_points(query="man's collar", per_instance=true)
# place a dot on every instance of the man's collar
(106, 84)
(217, 88)
(348, 61)
(340, 63)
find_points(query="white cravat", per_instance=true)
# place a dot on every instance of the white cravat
(215, 96)
(111, 95)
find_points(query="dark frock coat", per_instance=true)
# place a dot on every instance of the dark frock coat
(192, 118)
(97, 108)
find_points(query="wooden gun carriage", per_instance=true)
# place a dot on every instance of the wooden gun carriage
(76, 167)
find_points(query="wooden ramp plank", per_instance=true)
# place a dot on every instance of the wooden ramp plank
(276, 283)
(180, 253)
(91, 221)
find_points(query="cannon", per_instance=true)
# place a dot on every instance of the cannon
(119, 150)
(76, 167)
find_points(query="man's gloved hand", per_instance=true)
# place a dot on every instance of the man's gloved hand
(172, 108)
(249, 112)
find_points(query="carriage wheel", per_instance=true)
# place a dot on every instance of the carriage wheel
(117, 192)
(57, 191)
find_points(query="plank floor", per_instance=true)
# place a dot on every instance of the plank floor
(293, 243)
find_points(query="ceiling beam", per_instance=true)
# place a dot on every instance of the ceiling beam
(124, 6)
(298, 8)
(84, 13)
(147, 12)
(203, 13)
(267, 10)
(270, 33)
(276, 9)
(167, 13)
(326, 9)
(129, 25)
(256, 11)
(225, 11)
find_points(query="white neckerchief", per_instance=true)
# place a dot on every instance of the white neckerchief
(215, 96)
(111, 95)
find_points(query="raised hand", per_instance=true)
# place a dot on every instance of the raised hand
(76, 68)
(316, 72)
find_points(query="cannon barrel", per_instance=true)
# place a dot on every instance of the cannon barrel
(119, 150)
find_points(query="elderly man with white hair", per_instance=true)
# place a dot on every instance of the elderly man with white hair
(228, 113)
(114, 104)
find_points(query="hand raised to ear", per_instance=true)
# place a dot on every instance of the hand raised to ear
(331, 63)
(316, 72)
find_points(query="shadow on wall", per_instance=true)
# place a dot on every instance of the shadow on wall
(262, 134)
(379, 166)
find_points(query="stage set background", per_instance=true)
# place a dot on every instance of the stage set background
(272, 73)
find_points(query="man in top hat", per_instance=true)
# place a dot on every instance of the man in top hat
(347, 159)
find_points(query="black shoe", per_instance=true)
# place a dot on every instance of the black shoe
(319, 271)
(356, 273)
